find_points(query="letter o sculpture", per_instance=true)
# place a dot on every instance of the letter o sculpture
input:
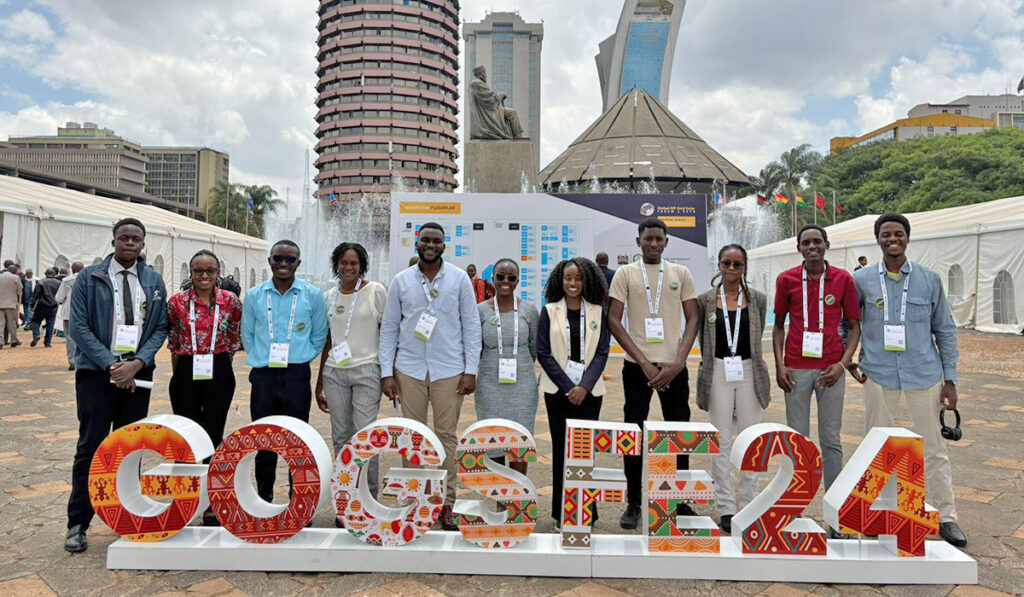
(234, 499)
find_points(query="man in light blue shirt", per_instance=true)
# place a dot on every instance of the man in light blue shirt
(284, 327)
(909, 347)
(430, 346)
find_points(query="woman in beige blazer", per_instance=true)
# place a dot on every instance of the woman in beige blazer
(572, 348)
(733, 378)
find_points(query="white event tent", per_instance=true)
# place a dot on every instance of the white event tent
(978, 250)
(43, 225)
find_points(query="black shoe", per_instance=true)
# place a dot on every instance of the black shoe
(684, 509)
(210, 519)
(34, 342)
(834, 534)
(75, 542)
(726, 523)
(631, 517)
(47, 346)
(71, 367)
(593, 514)
(13, 344)
(338, 523)
(951, 532)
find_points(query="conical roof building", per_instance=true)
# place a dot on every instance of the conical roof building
(636, 142)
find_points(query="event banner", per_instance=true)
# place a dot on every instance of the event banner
(880, 494)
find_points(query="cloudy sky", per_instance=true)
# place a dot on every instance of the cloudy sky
(753, 77)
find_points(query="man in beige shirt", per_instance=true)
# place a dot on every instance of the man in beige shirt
(657, 294)
(10, 302)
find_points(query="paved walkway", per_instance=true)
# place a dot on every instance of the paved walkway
(38, 428)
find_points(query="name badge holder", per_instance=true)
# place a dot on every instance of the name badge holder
(814, 342)
(508, 369)
(341, 352)
(126, 338)
(895, 336)
(202, 364)
(654, 326)
(425, 326)
(575, 369)
(733, 364)
(279, 351)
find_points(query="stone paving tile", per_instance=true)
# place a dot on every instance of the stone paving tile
(10, 457)
(26, 586)
(592, 589)
(217, 587)
(399, 588)
(782, 590)
(1005, 463)
(23, 418)
(973, 494)
(16, 380)
(38, 490)
(966, 591)
(57, 436)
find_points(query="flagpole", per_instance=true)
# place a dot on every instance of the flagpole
(833, 207)
(815, 207)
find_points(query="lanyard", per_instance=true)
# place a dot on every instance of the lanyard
(653, 306)
(515, 340)
(351, 309)
(732, 335)
(192, 323)
(583, 333)
(118, 308)
(885, 292)
(291, 318)
(426, 291)
(821, 300)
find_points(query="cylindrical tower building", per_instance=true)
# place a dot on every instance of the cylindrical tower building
(387, 95)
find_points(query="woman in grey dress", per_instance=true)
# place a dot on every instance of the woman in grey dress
(506, 383)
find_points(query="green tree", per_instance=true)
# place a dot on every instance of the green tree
(229, 207)
(264, 202)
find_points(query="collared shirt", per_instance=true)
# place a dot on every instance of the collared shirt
(840, 302)
(229, 324)
(628, 287)
(454, 346)
(133, 280)
(309, 332)
(932, 351)
(10, 290)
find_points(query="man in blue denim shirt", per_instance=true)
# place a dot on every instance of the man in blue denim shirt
(910, 347)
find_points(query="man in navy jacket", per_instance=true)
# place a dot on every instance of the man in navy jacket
(119, 322)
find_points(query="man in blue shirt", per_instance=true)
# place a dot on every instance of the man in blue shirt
(284, 327)
(430, 346)
(909, 347)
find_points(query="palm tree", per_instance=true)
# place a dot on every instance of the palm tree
(796, 165)
(263, 200)
(226, 207)
(768, 180)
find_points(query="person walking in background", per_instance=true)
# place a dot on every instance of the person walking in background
(348, 381)
(910, 347)
(602, 262)
(732, 381)
(10, 301)
(44, 307)
(862, 262)
(657, 294)
(482, 289)
(204, 328)
(29, 282)
(506, 385)
(572, 348)
(284, 327)
(119, 322)
(430, 346)
(812, 358)
(64, 311)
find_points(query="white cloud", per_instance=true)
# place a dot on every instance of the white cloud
(26, 25)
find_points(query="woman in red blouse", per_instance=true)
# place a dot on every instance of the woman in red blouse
(204, 325)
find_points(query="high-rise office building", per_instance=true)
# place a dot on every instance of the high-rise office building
(509, 48)
(640, 52)
(387, 90)
(185, 174)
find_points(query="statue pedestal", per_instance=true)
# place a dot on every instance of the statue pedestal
(499, 166)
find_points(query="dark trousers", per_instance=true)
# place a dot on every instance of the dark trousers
(42, 314)
(675, 406)
(101, 406)
(559, 409)
(284, 391)
(205, 401)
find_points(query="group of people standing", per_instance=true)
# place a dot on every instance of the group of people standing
(427, 342)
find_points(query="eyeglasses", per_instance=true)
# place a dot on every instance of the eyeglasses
(732, 264)
(209, 272)
(506, 278)
(290, 260)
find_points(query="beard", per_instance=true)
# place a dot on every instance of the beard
(423, 259)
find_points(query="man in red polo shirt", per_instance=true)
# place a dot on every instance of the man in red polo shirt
(811, 358)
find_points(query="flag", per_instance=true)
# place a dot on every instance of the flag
(334, 198)
(251, 207)
(839, 208)
(718, 198)
(819, 202)
(781, 199)
(800, 201)
(1020, 86)
(761, 200)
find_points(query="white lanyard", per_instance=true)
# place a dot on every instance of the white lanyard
(821, 300)
(515, 340)
(192, 323)
(118, 308)
(656, 304)
(291, 319)
(426, 291)
(885, 292)
(351, 309)
(583, 333)
(732, 335)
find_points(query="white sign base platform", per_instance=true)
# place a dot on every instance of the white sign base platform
(612, 556)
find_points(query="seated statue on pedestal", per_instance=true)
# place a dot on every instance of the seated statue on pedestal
(490, 119)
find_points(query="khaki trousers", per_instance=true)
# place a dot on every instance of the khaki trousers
(440, 395)
(8, 326)
(882, 404)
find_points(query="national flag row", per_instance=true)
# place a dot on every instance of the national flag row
(781, 199)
